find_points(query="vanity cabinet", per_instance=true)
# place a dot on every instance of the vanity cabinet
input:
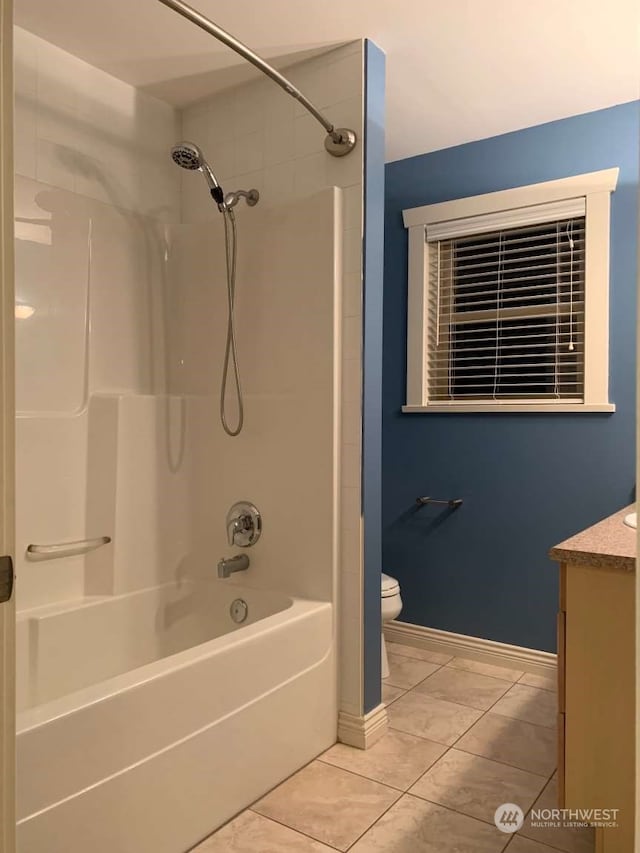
(596, 690)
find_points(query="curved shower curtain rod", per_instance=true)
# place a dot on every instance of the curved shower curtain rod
(339, 141)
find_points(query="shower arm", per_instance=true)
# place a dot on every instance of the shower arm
(339, 140)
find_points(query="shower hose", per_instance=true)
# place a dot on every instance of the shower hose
(230, 352)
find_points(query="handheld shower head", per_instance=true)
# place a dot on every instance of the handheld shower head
(187, 155)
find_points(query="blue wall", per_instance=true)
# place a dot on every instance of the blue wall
(373, 248)
(528, 481)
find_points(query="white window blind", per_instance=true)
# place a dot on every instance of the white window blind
(505, 313)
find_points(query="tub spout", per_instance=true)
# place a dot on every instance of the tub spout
(226, 568)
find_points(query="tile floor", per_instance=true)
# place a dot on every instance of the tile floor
(464, 738)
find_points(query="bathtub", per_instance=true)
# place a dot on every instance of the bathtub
(147, 720)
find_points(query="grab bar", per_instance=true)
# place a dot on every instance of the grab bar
(66, 549)
(454, 503)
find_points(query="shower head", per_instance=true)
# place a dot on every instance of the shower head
(187, 155)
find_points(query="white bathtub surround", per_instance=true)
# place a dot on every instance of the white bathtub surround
(286, 460)
(153, 327)
(487, 653)
(95, 276)
(93, 187)
(188, 739)
(129, 641)
(362, 730)
(79, 129)
(255, 136)
(161, 476)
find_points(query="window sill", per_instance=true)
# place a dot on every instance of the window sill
(526, 408)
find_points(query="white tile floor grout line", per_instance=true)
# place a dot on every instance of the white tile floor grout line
(505, 716)
(388, 784)
(524, 674)
(362, 834)
(473, 707)
(547, 779)
(408, 689)
(290, 828)
(462, 669)
(466, 752)
(368, 778)
(504, 763)
(414, 657)
(520, 720)
(456, 669)
(362, 776)
(395, 698)
(423, 800)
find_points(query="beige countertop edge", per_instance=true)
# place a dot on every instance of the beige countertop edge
(609, 544)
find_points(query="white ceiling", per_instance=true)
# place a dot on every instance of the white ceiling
(457, 70)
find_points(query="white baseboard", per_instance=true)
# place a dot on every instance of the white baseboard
(362, 731)
(472, 648)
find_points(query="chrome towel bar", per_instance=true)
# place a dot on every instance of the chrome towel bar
(66, 549)
(454, 503)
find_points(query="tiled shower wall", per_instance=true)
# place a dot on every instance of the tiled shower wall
(257, 136)
(82, 130)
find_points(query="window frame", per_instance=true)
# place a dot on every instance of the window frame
(595, 188)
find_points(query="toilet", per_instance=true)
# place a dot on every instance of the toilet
(391, 607)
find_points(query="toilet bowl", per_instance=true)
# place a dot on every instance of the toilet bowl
(391, 604)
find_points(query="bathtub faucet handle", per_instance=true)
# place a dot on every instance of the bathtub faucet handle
(236, 526)
(244, 525)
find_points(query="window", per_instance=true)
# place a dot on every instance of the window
(508, 300)
(506, 312)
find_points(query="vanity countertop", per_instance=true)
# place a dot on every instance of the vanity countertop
(609, 544)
